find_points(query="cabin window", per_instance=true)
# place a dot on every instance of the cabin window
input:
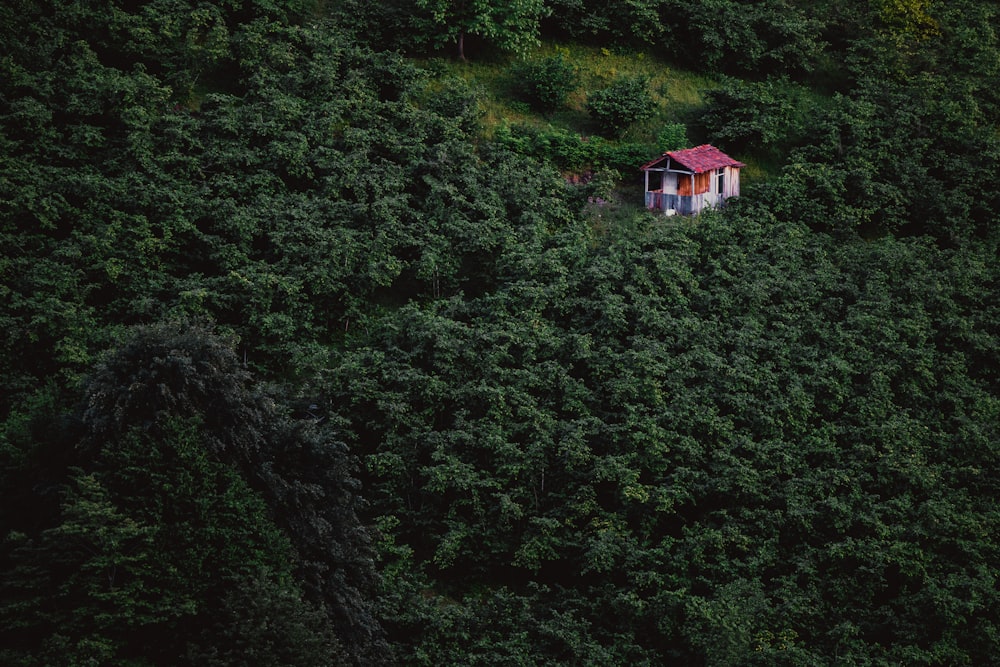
(722, 180)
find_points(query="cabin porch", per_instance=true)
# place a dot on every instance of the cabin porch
(657, 200)
(686, 182)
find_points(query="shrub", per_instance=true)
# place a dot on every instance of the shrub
(456, 98)
(750, 114)
(544, 84)
(622, 103)
(569, 151)
(564, 149)
(672, 137)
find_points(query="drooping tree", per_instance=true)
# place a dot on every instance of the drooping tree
(197, 521)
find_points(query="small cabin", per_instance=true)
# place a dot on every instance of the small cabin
(686, 182)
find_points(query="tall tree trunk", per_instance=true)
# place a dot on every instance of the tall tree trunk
(461, 46)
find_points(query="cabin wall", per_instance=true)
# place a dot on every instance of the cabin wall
(698, 184)
(669, 183)
(661, 181)
(702, 182)
(684, 185)
(732, 185)
(688, 194)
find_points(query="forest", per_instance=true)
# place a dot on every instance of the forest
(336, 333)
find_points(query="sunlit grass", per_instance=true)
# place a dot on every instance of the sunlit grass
(678, 97)
(676, 93)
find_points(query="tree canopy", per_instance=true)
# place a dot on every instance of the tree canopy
(510, 24)
(308, 358)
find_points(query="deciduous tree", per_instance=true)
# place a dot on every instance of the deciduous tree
(512, 25)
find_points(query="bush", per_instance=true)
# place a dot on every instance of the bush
(750, 114)
(672, 137)
(565, 150)
(456, 98)
(570, 151)
(544, 84)
(622, 103)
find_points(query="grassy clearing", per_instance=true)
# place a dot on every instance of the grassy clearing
(677, 93)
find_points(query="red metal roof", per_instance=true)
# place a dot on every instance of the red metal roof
(698, 159)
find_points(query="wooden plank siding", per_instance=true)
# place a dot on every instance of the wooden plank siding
(732, 183)
(701, 183)
(687, 181)
(661, 201)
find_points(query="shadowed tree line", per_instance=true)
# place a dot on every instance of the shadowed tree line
(297, 368)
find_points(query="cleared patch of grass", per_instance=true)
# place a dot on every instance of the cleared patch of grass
(677, 96)
(676, 93)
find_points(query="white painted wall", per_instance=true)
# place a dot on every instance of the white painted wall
(732, 182)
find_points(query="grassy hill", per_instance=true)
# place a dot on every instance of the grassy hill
(678, 106)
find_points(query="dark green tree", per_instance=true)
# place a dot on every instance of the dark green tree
(741, 115)
(617, 22)
(624, 102)
(545, 83)
(191, 487)
(512, 25)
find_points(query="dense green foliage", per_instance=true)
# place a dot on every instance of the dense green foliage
(624, 102)
(511, 24)
(571, 151)
(299, 367)
(737, 37)
(545, 83)
(740, 439)
(176, 509)
(745, 115)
